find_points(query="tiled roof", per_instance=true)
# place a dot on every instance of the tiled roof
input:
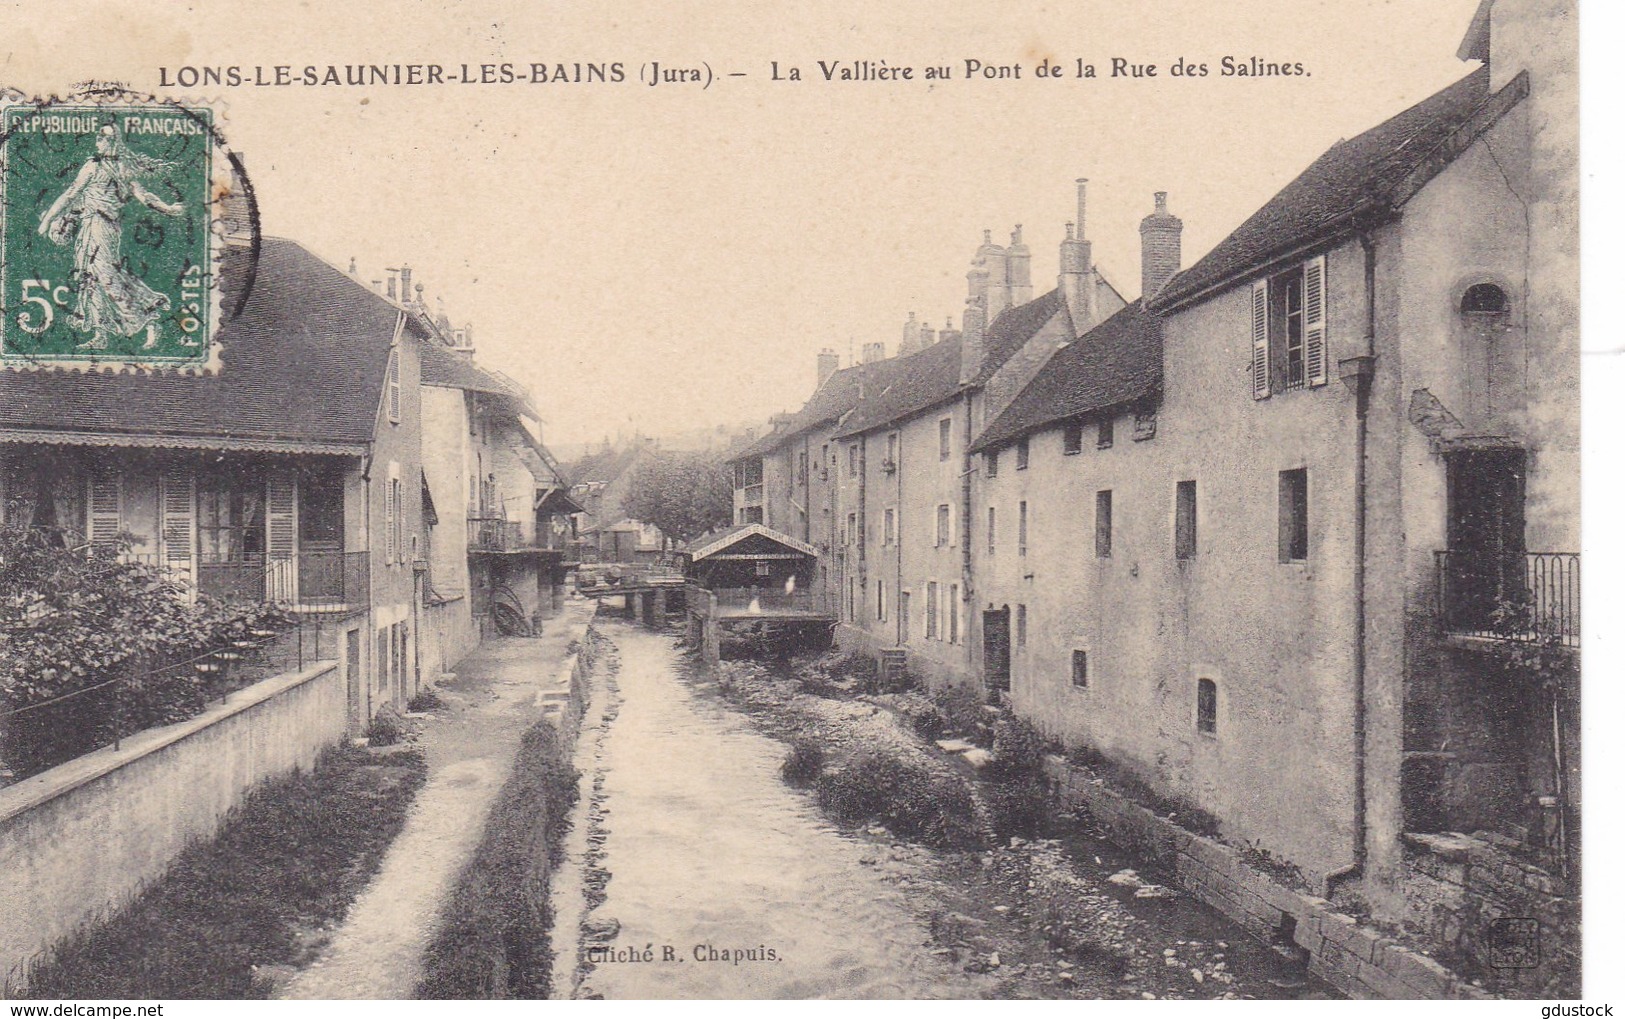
(1013, 328)
(1116, 363)
(1354, 177)
(917, 382)
(602, 467)
(838, 395)
(303, 362)
(446, 369)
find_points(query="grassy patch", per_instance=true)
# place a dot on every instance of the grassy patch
(290, 858)
(495, 941)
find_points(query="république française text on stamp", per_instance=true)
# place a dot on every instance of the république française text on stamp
(109, 233)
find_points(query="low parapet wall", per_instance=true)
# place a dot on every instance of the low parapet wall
(79, 840)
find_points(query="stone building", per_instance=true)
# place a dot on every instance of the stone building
(1296, 535)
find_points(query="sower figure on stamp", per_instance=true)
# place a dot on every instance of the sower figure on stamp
(111, 299)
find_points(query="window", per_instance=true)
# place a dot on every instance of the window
(953, 613)
(1103, 435)
(764, 569)
(902, 616)
(1207, 706)
(992, 531)
(880, 600)
(230, 518)
(852, 460)
(1021, 453)
(1103, 524)
(990, 460)
(1484, 299)
(944, 525)
(1145, 425)
(380, 659)
(1185, 520)
(945, 438)
(851, 528)
(1080, 668)
(1021, 529)
(889, 535)
(1072, 439)
(1294, 516)
(395, 387)
(1289, 329)
(750, 515)
(1021, 626)
(748, 473)
(931, 610)
(891, 450)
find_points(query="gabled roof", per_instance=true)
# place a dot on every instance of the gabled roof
(1354, 178)
(1118, 362)
(719, 542)
(302, 367)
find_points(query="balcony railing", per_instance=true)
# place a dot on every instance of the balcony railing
(1532, 598)
(318, 582)
(497, 534)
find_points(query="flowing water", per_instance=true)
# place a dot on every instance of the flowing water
(728, 881)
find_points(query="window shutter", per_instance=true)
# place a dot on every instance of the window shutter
(176, 508)
(103, 503)
(1314, 321)
(1261, 340)
(389, 523)
(394, 387)
(281, 537)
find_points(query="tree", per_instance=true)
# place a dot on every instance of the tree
(683, 494)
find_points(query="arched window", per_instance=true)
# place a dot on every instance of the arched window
(1484, 299)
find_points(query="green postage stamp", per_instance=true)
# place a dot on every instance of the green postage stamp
(108, 246)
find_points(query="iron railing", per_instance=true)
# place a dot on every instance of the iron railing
(498, 534)
(320, 582)
(1532, 598)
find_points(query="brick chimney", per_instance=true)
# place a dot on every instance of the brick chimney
(996, 261)
(972, 339)
(1019, 258)
(406, 283)
(928, 336)
(873, 352)
(1159, 247)
(911, 337)
(828, 362)
(1077, 281)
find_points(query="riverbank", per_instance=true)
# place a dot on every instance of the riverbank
(1054, 912)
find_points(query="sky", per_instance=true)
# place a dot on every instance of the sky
(670, 257)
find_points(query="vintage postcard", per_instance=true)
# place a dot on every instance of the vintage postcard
(736, 501)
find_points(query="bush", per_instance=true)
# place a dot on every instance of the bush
(495, 942)
(425, 700)
(928, 722)
(876, 785)
(854, 665)
(961, 709)
(1018, 807)
(387, 728)
(1018, 749)
(804, 761)
(94, 647)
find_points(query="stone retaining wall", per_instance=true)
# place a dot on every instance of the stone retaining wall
(80, 840)
(1356, 960)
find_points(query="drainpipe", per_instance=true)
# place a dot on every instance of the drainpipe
(967, 589)
(368, 645)
(1357, 374)
(897, 545)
